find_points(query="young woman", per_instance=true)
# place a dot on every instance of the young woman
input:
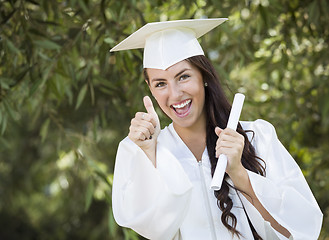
(162, 177)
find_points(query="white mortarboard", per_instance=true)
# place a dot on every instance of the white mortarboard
(167, 43)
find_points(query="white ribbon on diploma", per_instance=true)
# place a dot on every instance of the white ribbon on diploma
(232, 123)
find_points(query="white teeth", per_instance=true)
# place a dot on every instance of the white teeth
(182, 104)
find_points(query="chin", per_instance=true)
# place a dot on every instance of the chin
(185, 123)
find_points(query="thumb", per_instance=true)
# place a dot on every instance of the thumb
(218, 131)
(149, 105)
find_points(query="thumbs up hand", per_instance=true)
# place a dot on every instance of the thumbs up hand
(145, 129)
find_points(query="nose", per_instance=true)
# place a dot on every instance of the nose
(175, 91)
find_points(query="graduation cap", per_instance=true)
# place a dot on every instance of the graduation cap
(167, 43)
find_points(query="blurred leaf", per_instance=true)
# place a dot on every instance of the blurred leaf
(44, 56)
(12, 113)
(112, 225)
(41, 81)
(3, 124)
(314, 11)
(83, 6)
(12, 47)
(3, 84)
(47, 44)
(81, 96)
(44, 130)
(92, 93)
(89, 194)
(109, 40)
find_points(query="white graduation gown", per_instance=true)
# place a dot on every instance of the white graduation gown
(168, 202)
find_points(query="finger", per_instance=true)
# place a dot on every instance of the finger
(142, 133)
(231, 143)
(149, 105)
(145, 117)
(223, 150)
(229, 152)
(219, 148)
(145, 131)
(231, 132)
(138, 125)
(136, 136)
(226, 144)
(218, 131)
(218, 152)
(147, 125)
(141, 116)
(227, 138)
(230, 135)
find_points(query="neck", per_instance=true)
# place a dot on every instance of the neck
(198, 128)
(196, 131)
(194, 137)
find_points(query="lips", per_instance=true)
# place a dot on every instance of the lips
(182, 109)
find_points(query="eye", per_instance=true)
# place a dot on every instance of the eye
(160, 84)
(184, 76)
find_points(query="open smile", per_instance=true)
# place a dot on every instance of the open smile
(182, 109)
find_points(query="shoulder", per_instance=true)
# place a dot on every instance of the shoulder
(259, 126)
(167, 134)
(261, 133)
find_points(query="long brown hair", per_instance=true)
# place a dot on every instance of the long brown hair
(217, 112)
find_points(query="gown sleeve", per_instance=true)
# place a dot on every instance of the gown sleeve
(284, 192)
(152, 201)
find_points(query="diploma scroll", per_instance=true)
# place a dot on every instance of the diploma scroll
(233, 120)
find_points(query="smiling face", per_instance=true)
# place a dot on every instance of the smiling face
(180, 93)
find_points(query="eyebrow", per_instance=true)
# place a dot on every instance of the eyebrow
(162, 79)
(185, 69)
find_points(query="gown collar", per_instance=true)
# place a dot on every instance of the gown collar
(182, 146)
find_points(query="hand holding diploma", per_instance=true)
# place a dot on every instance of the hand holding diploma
(230, 142)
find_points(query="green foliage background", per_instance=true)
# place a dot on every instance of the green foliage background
(66, 102)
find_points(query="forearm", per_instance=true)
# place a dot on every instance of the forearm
(241, 182)
(151, 154)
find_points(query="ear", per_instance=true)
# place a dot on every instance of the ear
(148, 83)
(146, 77)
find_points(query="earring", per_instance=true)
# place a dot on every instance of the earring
(206, 84)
